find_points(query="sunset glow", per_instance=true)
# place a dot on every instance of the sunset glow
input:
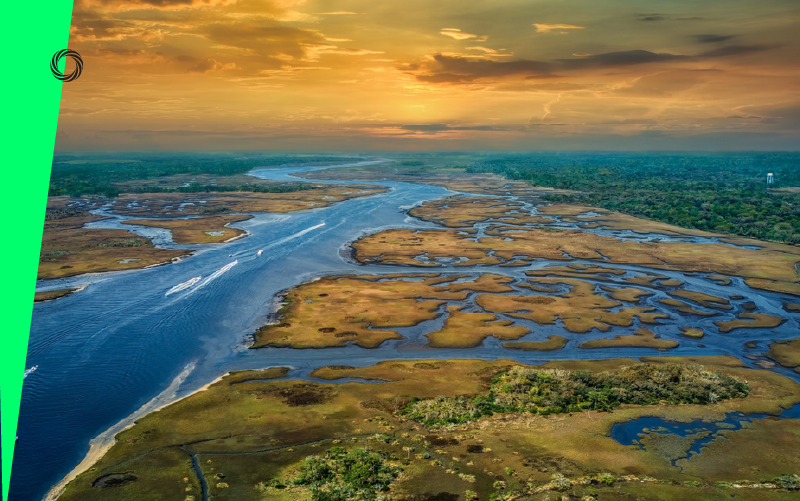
(363, 75)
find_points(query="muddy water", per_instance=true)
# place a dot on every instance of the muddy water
(107, 350)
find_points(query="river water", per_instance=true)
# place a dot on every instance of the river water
(120, 345)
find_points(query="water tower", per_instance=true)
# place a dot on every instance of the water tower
(770, 179)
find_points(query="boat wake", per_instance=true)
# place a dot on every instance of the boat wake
(214, 276)
(296, 235)
(183, 286)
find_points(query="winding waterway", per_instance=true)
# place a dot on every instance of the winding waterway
(119, 348)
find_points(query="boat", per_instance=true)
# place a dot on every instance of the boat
(259, 252)
(28, 371)
(183, 285)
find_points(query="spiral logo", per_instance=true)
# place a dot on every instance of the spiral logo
(78, 65)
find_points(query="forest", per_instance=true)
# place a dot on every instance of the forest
(339, 475)
(558, 391)
(87, 175)
(722, 193)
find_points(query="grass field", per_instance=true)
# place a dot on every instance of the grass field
(247, 430)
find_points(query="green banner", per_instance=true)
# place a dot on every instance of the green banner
(33, 33)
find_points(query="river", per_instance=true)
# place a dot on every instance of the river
(120, 345)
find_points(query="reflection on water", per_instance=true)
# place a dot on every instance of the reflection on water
(110, 349)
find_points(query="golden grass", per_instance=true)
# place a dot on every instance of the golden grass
(620, 221)
(764, 448)
(567, 210)
(785, 352)
(749, 321)
(251, 432)
(69, 249)
(581, 310)
(468, 330)
(720, 279)
(686, 308)
(691, 332)
(771, 269)
(458, 212)
(198, 230)
(553, 343)
(705, 300)
(642, 338)
(630, 294)
(166, 204)
(53, 294)
(450, 178)
(647, 280)
(486, 282)
(333, 310)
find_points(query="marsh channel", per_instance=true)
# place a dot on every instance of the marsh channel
(120, 345)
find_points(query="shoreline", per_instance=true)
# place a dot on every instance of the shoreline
(100, 445)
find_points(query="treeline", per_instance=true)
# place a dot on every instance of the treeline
(78, 176)
(724, 193)
(557, 391)
(340, 475)
(208, 188)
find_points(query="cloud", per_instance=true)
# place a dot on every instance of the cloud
(445, 68)
(543, 86)
(651, 17)
(338, 13)
(545, 28)
(664, 17)
(460, 35)
(208, 64)
(123, 5)
(712, 38)
(620, 58)
(490, 52)
(445, 127)
(737, 50)
(454, 69)
(263, 40)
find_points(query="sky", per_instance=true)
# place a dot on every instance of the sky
(330, 75)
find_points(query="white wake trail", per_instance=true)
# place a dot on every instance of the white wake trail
(212, 277)
(296, 235)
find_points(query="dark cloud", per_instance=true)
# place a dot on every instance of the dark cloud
(456, 69)
(664, 17)
(147, 4)
(650, 17)
(446, 127)
(736, 50)
(712, 38)
(621, 58)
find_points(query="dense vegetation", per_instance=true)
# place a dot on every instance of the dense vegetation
(340, 475)
(723, 193)
(84, 175)
(557, 391)
(207, 188)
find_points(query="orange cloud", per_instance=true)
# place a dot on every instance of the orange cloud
(545, 28)
(460, 35)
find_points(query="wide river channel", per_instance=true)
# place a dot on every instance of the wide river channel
(120, 348)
